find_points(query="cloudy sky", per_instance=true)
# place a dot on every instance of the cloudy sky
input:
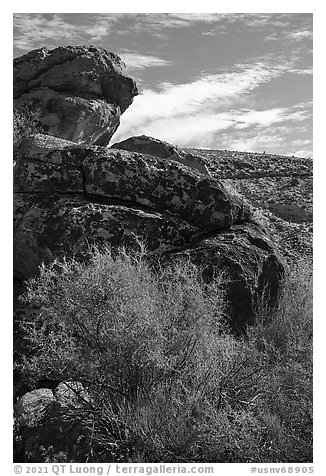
(206, 80)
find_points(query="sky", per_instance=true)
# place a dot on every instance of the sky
(236, 81)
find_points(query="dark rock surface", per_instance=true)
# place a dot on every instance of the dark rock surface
(250, 263)
(131, 178)
(158, 148)
(50, 226)
(69, 197)
(77, 93)
(70, 193)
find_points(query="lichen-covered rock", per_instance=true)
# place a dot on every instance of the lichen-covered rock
(49, 226)
(69, 197)
(72, 394)
(32, 406)
(251, 265)
(164, 150)
(77, 93)
(134, 179)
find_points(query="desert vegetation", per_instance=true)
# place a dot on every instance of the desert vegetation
(165, 378)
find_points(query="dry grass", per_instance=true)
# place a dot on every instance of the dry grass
(168, 381)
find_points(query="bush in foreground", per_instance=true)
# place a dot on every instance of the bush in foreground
(167, 379)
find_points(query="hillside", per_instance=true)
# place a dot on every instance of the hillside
(279, 187)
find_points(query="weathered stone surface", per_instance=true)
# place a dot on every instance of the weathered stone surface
(71, 394)
(48, 424)
(133, 178)
(74, 118)
(69, 197)
(48, 226)
(32, 406)
(164, 150)
(162, 186)
(78, 93)
(250, 263)
(279, 187)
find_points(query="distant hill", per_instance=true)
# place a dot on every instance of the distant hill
(279, 187)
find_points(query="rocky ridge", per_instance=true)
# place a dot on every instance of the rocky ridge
(279, 188)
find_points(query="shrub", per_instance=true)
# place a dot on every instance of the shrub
(284, 339)
(168, 381)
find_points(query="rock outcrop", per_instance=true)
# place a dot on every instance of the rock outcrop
(164, 150)
(77, 93)
(71, 192)
(251, 265)
(69, 196)
(279, 188)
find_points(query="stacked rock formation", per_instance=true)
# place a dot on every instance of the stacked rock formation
(77, 93)
(69, 195)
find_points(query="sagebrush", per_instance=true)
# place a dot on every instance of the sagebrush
(167, 379)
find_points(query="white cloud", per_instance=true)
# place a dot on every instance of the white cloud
(295, 35)
(307, 153)
(32, 30)
(186, 112)
(136, 61)
(202, 129)
(299, 35)
(195, 17)
(207, 92)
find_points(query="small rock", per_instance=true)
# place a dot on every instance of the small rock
(31, 407)
(71, 394)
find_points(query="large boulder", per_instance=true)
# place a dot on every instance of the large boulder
(164, 150)
(77, 93)
(131, 178)
(251, 266)
(49, 226)
(69, 197)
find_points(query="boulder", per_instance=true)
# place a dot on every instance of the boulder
(164, 150)
(31, 407)
(49, 226)
(69, 197)
(251, 265)
(71, 394)
(47, 424)
(132, 178)
(77, 93)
